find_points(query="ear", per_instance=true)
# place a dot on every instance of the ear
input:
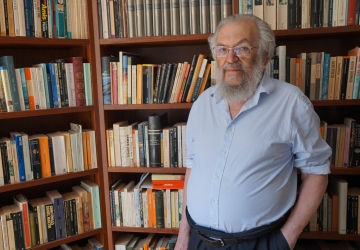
(265, 60)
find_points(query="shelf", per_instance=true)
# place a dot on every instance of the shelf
(41, 42)
(316, 103)
(43, 112)
(145, 230)
(328, 236)
(149, 106)
(56, 178)
(147, 170)
(202, 38)
(345, 171)
(57, 243)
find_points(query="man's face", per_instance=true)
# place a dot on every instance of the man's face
(235, 34)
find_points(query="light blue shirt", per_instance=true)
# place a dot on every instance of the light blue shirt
(243, 171)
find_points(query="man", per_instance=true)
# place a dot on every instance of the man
(246, 138)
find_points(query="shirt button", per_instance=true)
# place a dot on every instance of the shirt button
(223, 152)
(212, 201)
(229, 129)
(214, 225)
(217, 176)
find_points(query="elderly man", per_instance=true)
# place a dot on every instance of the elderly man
(246, 138)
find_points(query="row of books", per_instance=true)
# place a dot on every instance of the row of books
(61, 83)
(92, 244)
(147, 144)
(151, 242)
(344, 142)
(125, 81)
(29, 223)
(303, 14)
(339, 209)
(47, 19)
(143, 205)
(24, 158)
(137, 18)
(319, 75)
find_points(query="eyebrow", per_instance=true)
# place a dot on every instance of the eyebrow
(238, 43)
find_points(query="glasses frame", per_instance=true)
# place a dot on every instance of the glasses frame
(233, 48)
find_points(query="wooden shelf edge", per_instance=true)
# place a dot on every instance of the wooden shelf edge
(148, 106)
(57, 243)
(328, 236)
(202, 38)
(146, 170)
(42, 42)
(56, 178)
(43, 112)
(145, 230)
(336, 102)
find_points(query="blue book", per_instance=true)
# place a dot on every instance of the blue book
(124, 81)
(24, 88)
(60, 18)
(20, 155)
(105, 77)
(57, 201)
(325, 82)
(28, 17)
(54, 85)
(8, 61)
(48, 80)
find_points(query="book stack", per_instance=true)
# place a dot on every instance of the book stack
(48, 19)
(24, 157)
(33, 222)
(150, 203)
(125, 81)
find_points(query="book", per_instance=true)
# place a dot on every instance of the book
(186, 87)
(356, 52)
(22, 203)
(156, 123)
(8, 62)
(339, 185)
(93, 188)
(57, 151)
(57, 201)
(78, 70)
(195, 76)
(50, 218)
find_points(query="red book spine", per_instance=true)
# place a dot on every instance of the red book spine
(78, 79)
(351, 12)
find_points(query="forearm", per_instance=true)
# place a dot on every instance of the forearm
(311, 193)
(184, 230)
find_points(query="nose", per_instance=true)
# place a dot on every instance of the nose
(231, 57)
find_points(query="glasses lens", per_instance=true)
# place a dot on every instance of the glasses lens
(242, 50)
(221, 51)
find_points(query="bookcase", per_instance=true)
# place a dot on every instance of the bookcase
(179, 48)
(28, 51)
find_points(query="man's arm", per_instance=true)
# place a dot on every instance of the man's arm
(184, 230)
(311, 193)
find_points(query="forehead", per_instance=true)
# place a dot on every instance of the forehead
(233, 33)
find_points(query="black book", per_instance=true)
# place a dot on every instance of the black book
(357, 11)
(74, 216)
(163, 71)
(159, 71)
(171, 148)
(156, 123)
(331, 8)
(159, 207)
(116, 18)
(321, 13)
(349, 226)
(298, 9)
(165, 86)
(287, 68)
(355, 204)
(51, 156)
(356, 150)
(171, 83)
(175, 146)
(142, 144)
(147, 83)
(291, 14)
(189, 78)
(50, 218)
(331, 141)
(276, 67)
(64, 97)
(7, 18)
(35, 157)
(4, 161)
(314, 14)
(344, 77)
(100, 19)
(16, 215)
(307, 77)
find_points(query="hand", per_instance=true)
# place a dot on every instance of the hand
(183, 239)
(291, 240)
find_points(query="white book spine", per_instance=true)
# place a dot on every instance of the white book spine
(41, 83)
(281, 52)
(20, 90)
(104, 19)
(133, 84)
(70, 84)
(21, 17)
(16, 17)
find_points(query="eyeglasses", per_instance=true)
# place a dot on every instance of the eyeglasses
(240, 51)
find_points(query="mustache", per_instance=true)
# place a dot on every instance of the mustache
(235, 65)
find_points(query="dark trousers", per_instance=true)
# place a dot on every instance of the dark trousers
(266, 238)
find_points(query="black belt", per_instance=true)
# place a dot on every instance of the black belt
(235, 238)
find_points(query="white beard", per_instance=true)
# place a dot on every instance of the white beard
(246, 89)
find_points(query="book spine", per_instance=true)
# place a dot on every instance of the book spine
(78, 80)
(105, 75)
(140, 31)
(159, 207)
(154, 141)
(149, 18)
(185, 17)
(35, 158)
(344, 77)
(50, 222)
(20, 157)
(325, 82)
(175, 16)
(189, 78)
(194, 16)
